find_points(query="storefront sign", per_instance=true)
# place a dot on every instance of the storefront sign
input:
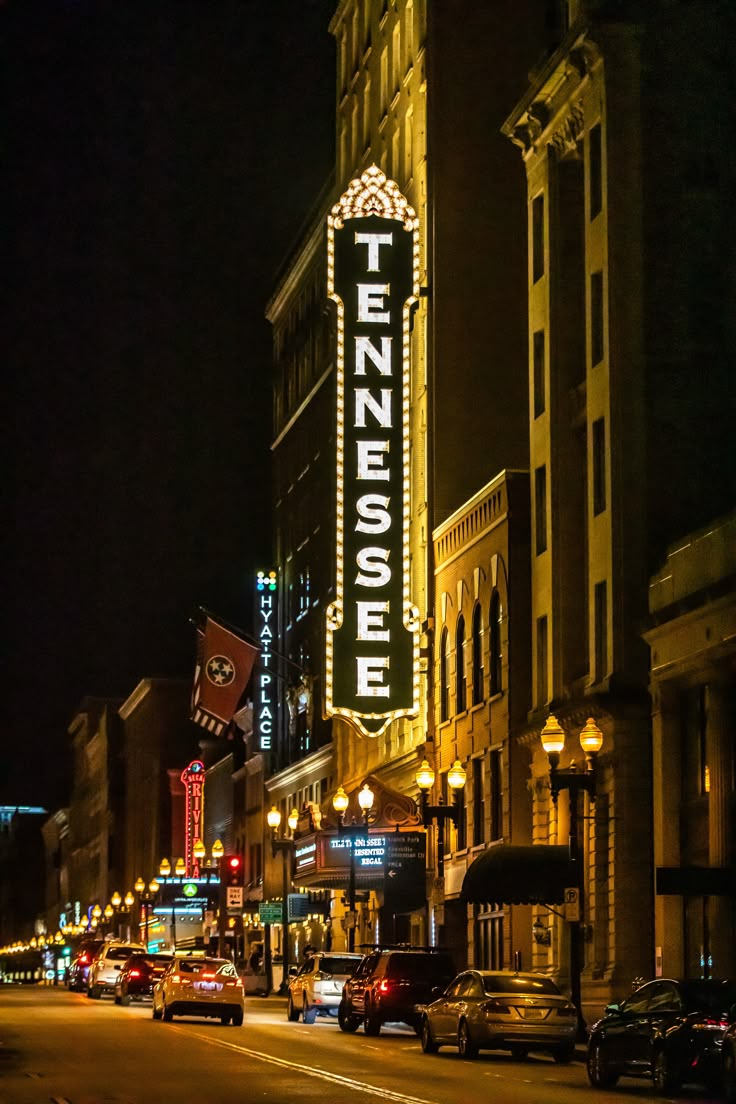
(374, 854)
(372, 655)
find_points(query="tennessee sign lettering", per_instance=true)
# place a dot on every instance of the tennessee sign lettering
(372, 661)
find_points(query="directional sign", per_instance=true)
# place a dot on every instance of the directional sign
(270, 912)
(234, 897)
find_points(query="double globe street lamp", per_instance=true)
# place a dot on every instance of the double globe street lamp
(456, 778)
(354, 832)
(284, 844)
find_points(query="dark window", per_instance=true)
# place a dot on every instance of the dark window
(496, 796)
(462, 821)
(542, 660)
(601, 630)
(503, 983)
(460, 695)
(490, 941)
(539, 387)
(479, 803)
(596, 318)
(478, 680)
(537, 238)
(599, 465)
(444, 675)
(595, 169)
(496, 656)
(540, 509)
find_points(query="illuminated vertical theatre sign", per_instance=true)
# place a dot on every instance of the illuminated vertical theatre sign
(193, 778)
(372, 661)
(263, 705)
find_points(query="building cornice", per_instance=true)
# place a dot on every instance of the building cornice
(312, 768)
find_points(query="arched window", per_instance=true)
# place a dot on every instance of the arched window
(495, 618)
(445, 676)
(460, 696)
(478, 688)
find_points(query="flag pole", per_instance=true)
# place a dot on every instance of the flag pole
(231, 627)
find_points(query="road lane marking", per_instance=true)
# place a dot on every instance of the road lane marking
(311, 1071)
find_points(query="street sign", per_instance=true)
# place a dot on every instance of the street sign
(572, 904)
(234, 897)
(270, 912)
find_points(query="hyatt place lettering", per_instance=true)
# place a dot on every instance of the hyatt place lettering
(372, 633)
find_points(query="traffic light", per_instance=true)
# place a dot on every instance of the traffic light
(233, 870)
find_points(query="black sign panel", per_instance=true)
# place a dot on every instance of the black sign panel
(404, 887)
(372, 627)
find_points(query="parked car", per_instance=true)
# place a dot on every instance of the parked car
(728, 1060)
(501, 1010)
(78, 972)
(200, 987)
(137, 976)
(103, 971)
(316, 988)
(669, 1030)
(393, 985)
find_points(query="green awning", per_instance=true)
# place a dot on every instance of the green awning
(508, 874)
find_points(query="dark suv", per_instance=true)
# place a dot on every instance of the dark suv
(393, 985)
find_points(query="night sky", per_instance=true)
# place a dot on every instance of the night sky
(159, 160)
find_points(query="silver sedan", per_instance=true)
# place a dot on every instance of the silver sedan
(501, 1010)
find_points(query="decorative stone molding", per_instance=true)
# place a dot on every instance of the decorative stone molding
(566, 140)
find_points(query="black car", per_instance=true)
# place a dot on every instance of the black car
(728, 1061)
(668, 1030)
(138, 976)
(78, 971)
(393, 985)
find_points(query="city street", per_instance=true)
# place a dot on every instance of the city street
(59, 1047)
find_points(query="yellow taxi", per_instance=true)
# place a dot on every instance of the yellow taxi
(200, 987)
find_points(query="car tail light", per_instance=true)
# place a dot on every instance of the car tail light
(205, 975)
(134, 973)
(494, 1006)
(179, 980)
(84, 959)
(384, 986)
(235, 983)
(567, 1010)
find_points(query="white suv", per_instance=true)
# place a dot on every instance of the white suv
(104, 970)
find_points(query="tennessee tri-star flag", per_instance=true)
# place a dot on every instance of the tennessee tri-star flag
(224, 665)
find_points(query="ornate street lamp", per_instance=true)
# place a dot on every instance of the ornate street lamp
(285, 845)
(456, 778)
(340, 802)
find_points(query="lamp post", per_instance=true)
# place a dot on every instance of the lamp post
(340, 804)
(284, 844)
(147, 897)
(207, 865)
(456, 777)
(553, 742)
(129, 901)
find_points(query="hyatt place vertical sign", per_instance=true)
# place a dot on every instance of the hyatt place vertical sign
(372, 661)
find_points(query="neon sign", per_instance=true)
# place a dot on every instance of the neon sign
(266, 594)
(372, 653)
(193, 778)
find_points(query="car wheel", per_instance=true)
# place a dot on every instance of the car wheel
(519, 1053)
(292, 1013)
(667, 1081)
(347, 1021)
(564, 1054)
(309, 1015)
(118, 999)
(124, 999)
(372, 1024)
(237, 1018)
(599, 1073)
(465, 1045)
(429, 1046)
(225, 1020)
(93, 992)
(166, 1014)
(155, 1013)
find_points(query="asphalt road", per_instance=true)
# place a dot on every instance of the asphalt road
(61, 1048)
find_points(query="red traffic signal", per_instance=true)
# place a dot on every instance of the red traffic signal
(233, 870)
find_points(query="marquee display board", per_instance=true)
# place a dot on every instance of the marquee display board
(372, 653)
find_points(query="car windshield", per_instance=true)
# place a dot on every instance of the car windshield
(713, 997)
(499, 983)
(338, 965)
(419, 967)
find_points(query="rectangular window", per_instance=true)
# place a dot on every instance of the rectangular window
(599, 465)
(366, 112)
(540, 509)
(539, 387)
(408, 147)
(384, 80)
(596, 318)
(496, 796)
(396, 55)
(595, 169)
(601, 630)
(479, 803)
(542, 691)
(537, 238)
